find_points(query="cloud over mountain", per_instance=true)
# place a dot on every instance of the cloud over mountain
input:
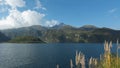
(51, 23)
(28, 17)
(17, 19)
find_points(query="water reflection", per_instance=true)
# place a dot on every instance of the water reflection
(44, 55)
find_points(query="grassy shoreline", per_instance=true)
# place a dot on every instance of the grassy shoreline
(107, 60)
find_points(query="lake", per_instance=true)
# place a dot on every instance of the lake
(45, 55)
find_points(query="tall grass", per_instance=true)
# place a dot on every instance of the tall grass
(107, 60)
(93, 63)
(80, 60)
(57, 66)
(71, 64)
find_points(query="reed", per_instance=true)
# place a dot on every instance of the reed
(107, 54)
(71, 64)
(80, 60)
(93, 63)
(57, 66)
(107, 60)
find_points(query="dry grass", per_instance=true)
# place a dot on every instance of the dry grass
(107, 60)
(80, 60)
(57, 66)
(93, 63)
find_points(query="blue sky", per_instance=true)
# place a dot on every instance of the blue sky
(101, 13)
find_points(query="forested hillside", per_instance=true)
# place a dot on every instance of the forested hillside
(63, 33)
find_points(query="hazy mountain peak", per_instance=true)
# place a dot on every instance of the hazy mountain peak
(88, 27)
(59, 25)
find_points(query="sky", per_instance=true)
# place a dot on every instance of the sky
(23, 13)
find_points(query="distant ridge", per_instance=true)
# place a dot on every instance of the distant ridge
(88, 27)
(3, 38)
(63, 33)
(58, 26)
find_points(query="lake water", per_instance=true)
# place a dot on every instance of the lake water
(45, 55)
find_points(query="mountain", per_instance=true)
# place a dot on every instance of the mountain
(58, 26)
(88, 27)
(3, 38)
(26, 39)
(63, 33)
(35, 30)
(62, 26)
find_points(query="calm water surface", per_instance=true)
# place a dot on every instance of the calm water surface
(45, 55)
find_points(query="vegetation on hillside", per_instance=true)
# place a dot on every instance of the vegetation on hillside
(26, 39)
(66, 34)
(3, 38)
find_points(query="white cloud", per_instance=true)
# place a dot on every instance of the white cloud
(17, 19)
(51, 23)
(39, 5)
(1, 2)
(12, 4)
(32, 17)
(15, 3)
(112, 10)
(3, 8)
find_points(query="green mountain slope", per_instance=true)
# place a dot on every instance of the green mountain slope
(3, 38)
(26, 39)
(66, 34)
